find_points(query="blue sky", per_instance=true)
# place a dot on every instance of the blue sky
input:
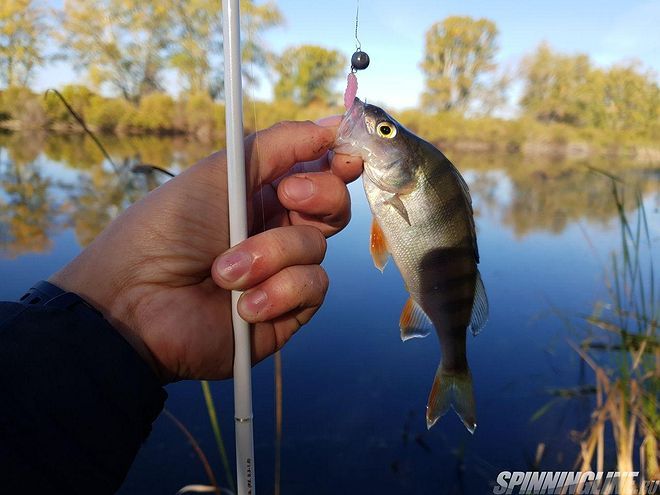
(392, 33)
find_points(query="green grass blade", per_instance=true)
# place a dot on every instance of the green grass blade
(213, 418)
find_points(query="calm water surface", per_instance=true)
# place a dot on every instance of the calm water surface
(354, 395)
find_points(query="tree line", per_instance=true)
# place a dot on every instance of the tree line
(128, 47)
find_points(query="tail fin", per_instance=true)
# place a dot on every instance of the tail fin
(455, 390)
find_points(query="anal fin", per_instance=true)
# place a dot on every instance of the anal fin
(378, 246)
(414, 322)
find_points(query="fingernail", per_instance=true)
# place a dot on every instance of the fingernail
(234, 265)
(254, 301)
(299, 188)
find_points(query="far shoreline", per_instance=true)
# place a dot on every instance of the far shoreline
(640, 153)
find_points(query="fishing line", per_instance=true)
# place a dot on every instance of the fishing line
(359, 61)
(277, 356)
(250, 35)
(358, 45)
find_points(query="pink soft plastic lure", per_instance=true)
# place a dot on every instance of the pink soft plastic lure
(351, 90)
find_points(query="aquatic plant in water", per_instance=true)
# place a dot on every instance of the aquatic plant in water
(622, 350)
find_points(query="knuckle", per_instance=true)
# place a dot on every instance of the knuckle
(290, 280)
(342, 197)
(323, 243)
(318, 286)
(284, 126)
(273, 248)
(324, 280)
(318, 241)
(333, 183)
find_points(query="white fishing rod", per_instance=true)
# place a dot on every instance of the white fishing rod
(238, 231)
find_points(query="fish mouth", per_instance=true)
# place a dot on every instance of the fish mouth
(352, 125)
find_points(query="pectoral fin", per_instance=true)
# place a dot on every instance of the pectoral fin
(398, 205)
(378, 246)
(414, 322)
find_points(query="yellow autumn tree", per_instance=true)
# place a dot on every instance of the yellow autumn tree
(23, 31)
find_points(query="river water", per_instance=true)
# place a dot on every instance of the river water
(354, 395)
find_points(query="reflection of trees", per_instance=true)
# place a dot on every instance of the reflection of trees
(543, 203)
(75, 151)
(22, 148)
(548, 196)
(26, 208)
(98, 197)
(100, 192)
(538, 195)
(80, 152)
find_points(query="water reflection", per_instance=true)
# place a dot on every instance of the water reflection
(351, 396)
(55, 182)
(27, 210)
(539, 195)
(50, 182)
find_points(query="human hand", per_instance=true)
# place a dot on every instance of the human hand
(161, 273)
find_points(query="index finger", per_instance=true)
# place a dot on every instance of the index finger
(272, 152)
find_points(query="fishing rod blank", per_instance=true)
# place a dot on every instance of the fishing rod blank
(237, 233)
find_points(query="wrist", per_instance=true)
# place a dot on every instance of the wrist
(76, 277)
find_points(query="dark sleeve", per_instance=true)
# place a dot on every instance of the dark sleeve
(76, 401)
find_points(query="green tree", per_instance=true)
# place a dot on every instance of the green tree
(628, 99)
(255, 19)
(568, 89)
(119, 43)
(79, 97)
(492, 95)
(22, 33)
(197, 42)
(459, 51)
(197, 36)
(307, 72)
(23, 107)
(557, 87)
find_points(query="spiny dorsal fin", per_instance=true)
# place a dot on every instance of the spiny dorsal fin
(414, 322)
(479, 307)
(378, 246)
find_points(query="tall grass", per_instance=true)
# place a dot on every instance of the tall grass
(217, 434)
(622, 350)
(278, 423)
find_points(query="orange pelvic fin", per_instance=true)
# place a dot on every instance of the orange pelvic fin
(378, 246)
(414, 322)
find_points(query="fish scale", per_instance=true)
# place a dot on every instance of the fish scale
(423, 218)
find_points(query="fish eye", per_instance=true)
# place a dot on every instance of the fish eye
(386, 130)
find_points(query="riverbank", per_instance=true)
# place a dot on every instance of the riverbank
(198, 116)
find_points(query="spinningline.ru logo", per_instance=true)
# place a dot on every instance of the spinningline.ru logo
(573, 483)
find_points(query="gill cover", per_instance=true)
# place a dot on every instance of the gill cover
(369, 132)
